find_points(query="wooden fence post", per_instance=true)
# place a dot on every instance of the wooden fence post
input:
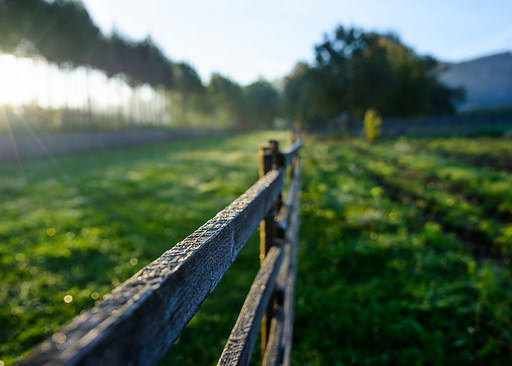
(266, 236)
(268, 161)
(276, 164)
(294, 138)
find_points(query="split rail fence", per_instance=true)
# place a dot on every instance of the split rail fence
(138, 322)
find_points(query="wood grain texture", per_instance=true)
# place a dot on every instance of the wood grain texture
(139, 320)
(240, 344)
(267, 226)
(292, 240)
(241, 341)
(289, 309)
(274, 350)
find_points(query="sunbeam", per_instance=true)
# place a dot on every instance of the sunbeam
(12, 137)
(47, 152)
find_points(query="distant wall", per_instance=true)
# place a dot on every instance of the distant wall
(459, 124)
(27, 145)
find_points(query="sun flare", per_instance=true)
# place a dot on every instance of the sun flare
(17, 83)
(34, 81)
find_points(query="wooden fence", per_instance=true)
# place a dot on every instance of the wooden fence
(139, 320)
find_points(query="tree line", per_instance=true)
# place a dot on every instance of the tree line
(354, 71)
(63, 33)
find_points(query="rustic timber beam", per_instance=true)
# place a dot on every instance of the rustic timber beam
(274, 350)
(240, 344)
(292, 239)
(283, 216)
(283, 329)
(268, 161)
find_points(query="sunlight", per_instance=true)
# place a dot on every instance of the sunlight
(34, 81)
(4, 119)
(14, 74)
(25, 81)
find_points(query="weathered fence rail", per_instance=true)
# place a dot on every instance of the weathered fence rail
(138, 322)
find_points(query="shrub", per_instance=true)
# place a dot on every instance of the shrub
(372, 122)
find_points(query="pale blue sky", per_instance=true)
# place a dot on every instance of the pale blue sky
(251, 38)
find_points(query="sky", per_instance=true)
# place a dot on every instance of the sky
(248, 39)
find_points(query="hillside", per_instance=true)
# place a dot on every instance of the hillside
(487, 80)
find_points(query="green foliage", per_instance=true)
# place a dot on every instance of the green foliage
(380, 283)
(468, 201)
(227, 97)
(464, 193)
(357, 70)
(262, 104)
(372, 123)
(493, 153)
(254, 106)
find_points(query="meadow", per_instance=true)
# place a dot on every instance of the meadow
(404, 252)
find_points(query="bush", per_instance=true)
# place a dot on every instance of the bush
(372, 123)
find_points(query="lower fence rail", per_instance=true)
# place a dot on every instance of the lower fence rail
(138, 322)
(280, 283)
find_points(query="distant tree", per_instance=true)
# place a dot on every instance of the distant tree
(228, 98)
(261, 104)
(190, 92)
(63, 32)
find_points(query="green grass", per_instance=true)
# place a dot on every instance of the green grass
(492, 152)
(463, 194)
(380, 283)
(81, 225)
(380, 280)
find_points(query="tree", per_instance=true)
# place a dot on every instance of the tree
(190, 91)
(228, 98)
(261, 104)
(308, 96)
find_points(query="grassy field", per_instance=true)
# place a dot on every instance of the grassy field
(387, 273)
(491, 152)
(81, 225)
(404, 253)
